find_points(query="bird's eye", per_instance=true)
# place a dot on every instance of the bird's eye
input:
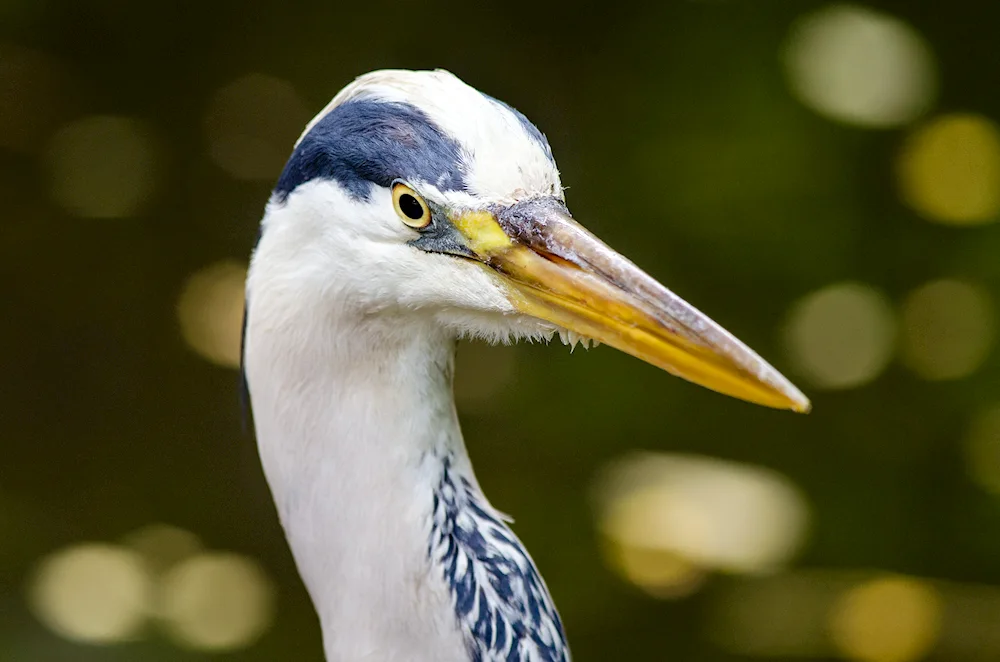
(410, 206)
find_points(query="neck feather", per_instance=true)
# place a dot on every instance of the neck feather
(354, 424)
(359, 438)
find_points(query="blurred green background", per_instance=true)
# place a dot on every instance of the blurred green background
(823, 179)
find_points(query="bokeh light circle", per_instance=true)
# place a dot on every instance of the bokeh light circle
(251, 126)
(948, 328)
(210, 312)
(691, 512)
(949, 170)
(859, 66)
(93, 593)
(217, 602)
(890, 619)
(660, 573)
(841, 336)
(103, 166)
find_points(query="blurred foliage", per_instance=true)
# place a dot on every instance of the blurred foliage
(136, 155)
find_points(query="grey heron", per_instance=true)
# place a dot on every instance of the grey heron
(413, 211)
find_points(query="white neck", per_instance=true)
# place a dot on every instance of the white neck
(353, 422)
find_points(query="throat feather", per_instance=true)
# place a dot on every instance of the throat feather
(503, 607)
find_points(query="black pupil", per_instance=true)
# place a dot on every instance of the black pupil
(411, 207)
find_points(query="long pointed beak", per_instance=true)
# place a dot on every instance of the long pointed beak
(559, 272)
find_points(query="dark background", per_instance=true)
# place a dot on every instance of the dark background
(138, 145)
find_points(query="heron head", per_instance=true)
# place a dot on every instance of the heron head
(413, 196)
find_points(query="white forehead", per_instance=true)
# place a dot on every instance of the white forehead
(506, 157)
